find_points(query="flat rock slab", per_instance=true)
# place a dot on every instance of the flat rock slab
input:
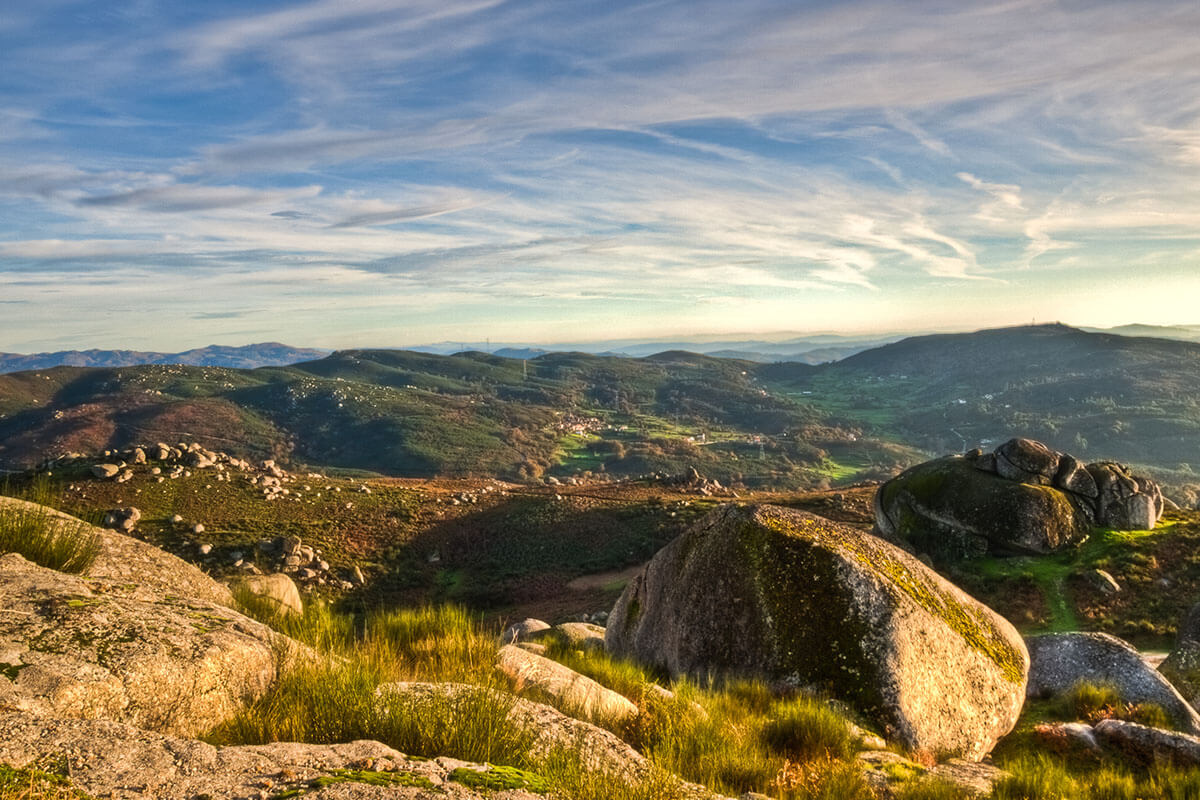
(108, 759)
(75, 647)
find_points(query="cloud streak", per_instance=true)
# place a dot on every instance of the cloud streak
(476, 162)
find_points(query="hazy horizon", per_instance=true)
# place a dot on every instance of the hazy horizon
(599, 343)
(391, 174)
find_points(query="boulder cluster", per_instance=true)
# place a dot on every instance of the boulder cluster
(1021, 498)
(1107, 492)
(305, 564)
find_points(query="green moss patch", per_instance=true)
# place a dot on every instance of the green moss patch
(496, 778)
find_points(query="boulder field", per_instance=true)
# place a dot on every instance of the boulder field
(799, 599)
(1023, 498)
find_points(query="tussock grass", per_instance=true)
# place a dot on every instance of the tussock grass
(1036, 776)
(46, 539)
(338, 697)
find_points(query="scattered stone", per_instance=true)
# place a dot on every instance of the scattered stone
(122, 519)
(204, 549)
(523, 630)
(277, 589)
(105, 470)
(577, 635)
(1103, 582)
(198, 528)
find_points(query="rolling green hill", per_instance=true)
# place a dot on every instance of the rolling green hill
(1098, 396)
(403, 413)
(414, 414)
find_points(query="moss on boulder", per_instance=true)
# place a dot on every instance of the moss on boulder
(766, 591)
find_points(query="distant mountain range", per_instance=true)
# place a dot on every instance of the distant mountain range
(814, 349)
(267, 354)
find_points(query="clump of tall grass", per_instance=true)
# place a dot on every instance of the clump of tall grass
(45, 538)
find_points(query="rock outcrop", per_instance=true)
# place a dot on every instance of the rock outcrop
(797, 598)
(1021, 498)
(1059, 661)
(141, 569)
(74, 647)
(108, 759)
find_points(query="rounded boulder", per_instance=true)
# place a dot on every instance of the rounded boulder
(799, 599)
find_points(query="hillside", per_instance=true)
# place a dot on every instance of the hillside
(412, 414)
(1099, 395)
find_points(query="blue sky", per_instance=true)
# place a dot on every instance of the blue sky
(359, 172)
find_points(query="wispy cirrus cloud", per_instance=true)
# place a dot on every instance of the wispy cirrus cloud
(482, 158)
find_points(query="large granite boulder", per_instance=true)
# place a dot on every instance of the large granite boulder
(766, 591)
(1023, 498)
(1059, 661)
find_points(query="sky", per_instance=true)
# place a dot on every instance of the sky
(351, 173)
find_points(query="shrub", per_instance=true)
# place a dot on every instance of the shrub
(47, 539)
